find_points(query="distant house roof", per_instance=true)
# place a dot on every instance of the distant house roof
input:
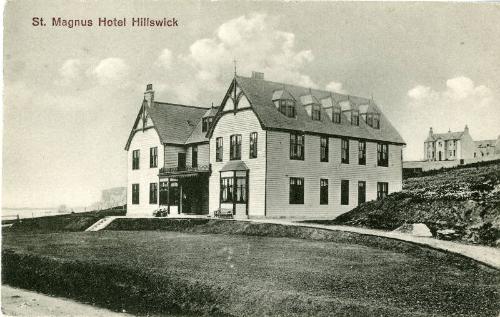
(445, 136)
(485, 143)
(261, 93)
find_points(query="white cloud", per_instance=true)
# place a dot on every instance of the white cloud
(461, 102)
(165, 59)
(71, 68)
(335, 87)
(109, 70)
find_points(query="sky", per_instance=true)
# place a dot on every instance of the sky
(71, 94)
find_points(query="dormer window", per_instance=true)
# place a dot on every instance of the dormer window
(316, 112)
(336, 115)
(355, 117)
(376, 121)
(287, 107)
(206, 123)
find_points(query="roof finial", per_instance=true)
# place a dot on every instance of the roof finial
(212, 104)
(234, 61)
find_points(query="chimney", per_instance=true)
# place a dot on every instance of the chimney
(466, 129)
(430, 132)
(149, 94)
(257, 75)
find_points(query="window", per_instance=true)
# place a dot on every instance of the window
(336, 115)
(218, 149)
(206, 123)
(135, 159)
(344, 192)
(173, 195)
(382, 154)
(153, 157)
(376, 121)
(163, 193)
(323, 192)
(241, 190)
(296, 190)
(153, 193)
(194, 156)
(226, 189)
(316, 112)
(181, 161)
(287, 107)
(355, 117)
(451, 153)
(345, 151)
(369, 119)
(296, 146)
(361, 192)
(324, 149)
(382, 190)
(135, 194)
(235, 147)
(253, 145)
(361, 152)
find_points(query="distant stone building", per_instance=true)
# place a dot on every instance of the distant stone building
(485, 148)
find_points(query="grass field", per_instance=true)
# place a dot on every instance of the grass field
(160, 271)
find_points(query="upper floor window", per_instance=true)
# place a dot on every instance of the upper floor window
(369, 119)
(296, 146)
(194, 156)
(324, 149)
(153, 193)
(135, 159)
(344, 151)
(355, 117)
(336, 114)
(218, 149)
(382, 154)
(362, 152)
(206, 123)
(376, 121)
(316, 112)
(235, 147)
(287, 107)
(253, 145)
(296, 190)
(153, 157)
(382, 190)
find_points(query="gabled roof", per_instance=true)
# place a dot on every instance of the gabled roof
(260, 94)
(197, 135)
(485, 143)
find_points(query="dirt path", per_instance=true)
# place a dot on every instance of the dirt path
(19, 302)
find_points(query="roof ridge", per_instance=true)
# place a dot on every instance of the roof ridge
(180, 105)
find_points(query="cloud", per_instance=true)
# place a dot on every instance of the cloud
(256, 43)
(109, 70)
(165, 59)
(335, 87)
(461, 102)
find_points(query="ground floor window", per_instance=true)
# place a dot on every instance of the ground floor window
(153, 193)
(135, 194)
(323, 192)
(231, 192)
(344, 192)
(241, 190)
(296, 190)
(361, 192)
(226, 189)
(163, 193)
(382, 190)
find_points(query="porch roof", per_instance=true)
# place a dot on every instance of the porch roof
(234, 166)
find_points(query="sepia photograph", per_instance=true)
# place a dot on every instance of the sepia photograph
(250, 158)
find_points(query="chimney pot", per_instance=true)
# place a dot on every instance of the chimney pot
(149, 87)
(149, 94)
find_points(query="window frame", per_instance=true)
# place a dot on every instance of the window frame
(324, 148)
(219, 149)
(361, 152)
(287, 107)
(383, 155)
(316, 112)
(355, 117)
(337, 115)
(136, 159)
(297, 142)
(194, 156)
(206, 123)
(253, 142)
(344, 150)
(235, 147)
(323, 191)
(226, 189)
(361, 201)
(296, 191)
(135, 194)
(153, 157)
(344, 192)
(382, 190)
(153, 193)
(376, 121)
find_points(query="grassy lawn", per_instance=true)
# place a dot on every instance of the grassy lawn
(249, 275)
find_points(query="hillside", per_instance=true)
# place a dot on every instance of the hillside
(464, 199)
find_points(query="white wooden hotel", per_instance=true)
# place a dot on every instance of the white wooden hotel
(269, 150)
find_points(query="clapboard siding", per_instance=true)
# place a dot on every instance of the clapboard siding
(171, 155)
(244, 123)
(143, 141)
(280, 168)
(203, 158)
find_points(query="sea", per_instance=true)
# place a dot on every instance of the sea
(23, 213)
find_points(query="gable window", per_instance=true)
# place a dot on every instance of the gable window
(361, 192)
(324, 149)
(287, 107)
(206, 123)
(253, 145)
(376, 121)
(153, 157)
(135, 194)
(296, 146)
(194, 156)
(344, 192)
(323, 191)
(382, 154)
(218, 149)
(336, 115)
(369, 119)
(355, 117)
(344, 151)
(235, 147)
(153, 193)
(135, 159)
(226, 189)
(382, 190)
(296, 190)
(362, 153)
(316, 112)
